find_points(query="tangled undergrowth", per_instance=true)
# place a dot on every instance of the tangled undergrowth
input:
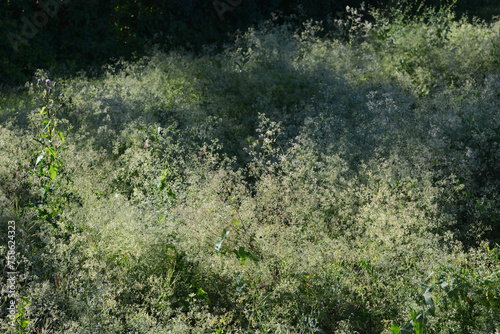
(289, 184)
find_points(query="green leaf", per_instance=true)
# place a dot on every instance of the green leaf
(243, 254)
(26, 300)
(162, 183)
(38, 159)
(407, 329)
(202, 294)
(224, 235)
(52, 152)
(417, 321)
(492, 275)
(61, 135)
(395, 329)
(52, 172)
(429, 302)
(43, 111)
(23, 323)
(170, 193)
(46, 124)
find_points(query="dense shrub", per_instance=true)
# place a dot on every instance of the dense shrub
(293, 183)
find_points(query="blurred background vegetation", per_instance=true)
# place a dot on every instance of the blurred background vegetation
(70, 36)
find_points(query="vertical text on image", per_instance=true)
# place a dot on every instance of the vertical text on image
(11, 280)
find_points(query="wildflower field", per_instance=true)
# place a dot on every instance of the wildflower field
(294, 181)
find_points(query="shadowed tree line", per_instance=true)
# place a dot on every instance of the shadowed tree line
(67, 36)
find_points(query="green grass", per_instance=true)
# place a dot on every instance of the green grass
(288, 184)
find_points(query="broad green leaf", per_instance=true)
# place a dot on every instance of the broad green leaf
(52, 172)
(395, 329)
(23, 323)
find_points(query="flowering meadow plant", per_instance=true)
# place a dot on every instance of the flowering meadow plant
(291, 183)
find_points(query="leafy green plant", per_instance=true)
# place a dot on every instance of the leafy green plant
(464, 290)
(21, 317)
(49, 162)
(461, 297)
(291, 183)
(418, 323)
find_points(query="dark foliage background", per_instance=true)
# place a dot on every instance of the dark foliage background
(67, 36)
